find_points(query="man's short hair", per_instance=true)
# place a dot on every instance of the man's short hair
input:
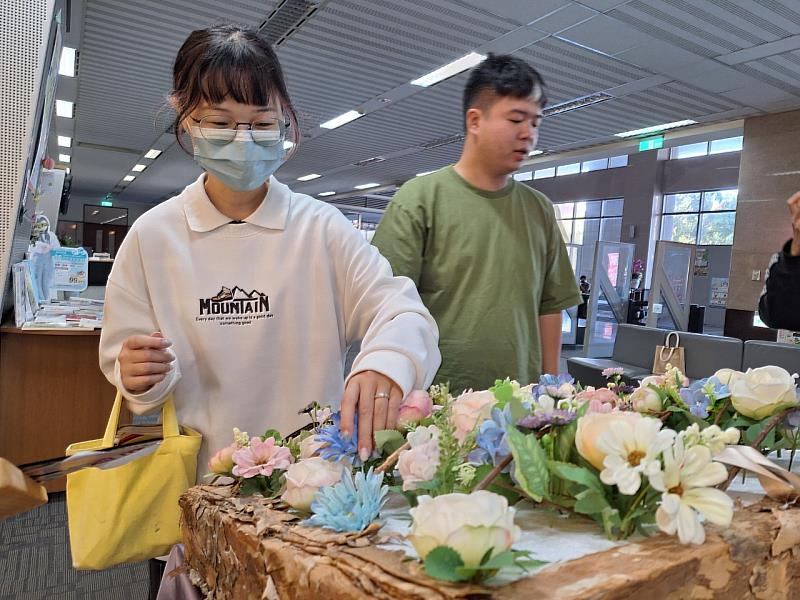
(502, 75)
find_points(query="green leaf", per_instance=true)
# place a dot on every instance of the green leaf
(754, 431)
(251, 487)
(565, 442)
(273, 433)
(530, 462)
(591, 502)
(611, 521)
(443, 563)
(576, 474)
(518, 411)
(388, 440)
(503, 391)
(504, 559)
(530, 563)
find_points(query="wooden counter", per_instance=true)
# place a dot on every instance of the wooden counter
(52, 393)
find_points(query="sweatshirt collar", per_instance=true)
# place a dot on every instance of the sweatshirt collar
(203, 216)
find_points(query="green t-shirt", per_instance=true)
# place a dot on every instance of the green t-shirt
(487, 265)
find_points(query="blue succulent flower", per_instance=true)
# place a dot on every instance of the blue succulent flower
(350, 505)
(697, 400)
(491, 441)
(339, 448)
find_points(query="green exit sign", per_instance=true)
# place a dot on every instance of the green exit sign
(652, 143)
(106, 203)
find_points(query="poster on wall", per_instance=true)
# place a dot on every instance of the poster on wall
(701, 262)
(719, 291)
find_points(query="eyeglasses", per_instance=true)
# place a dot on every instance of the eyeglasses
(221, 130)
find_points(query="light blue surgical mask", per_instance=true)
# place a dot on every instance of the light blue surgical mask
(241, 164)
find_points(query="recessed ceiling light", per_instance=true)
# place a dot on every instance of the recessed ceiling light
(67, 64)
(535, 152)
(287, 145)
(64, 108)
(68, 170)
(365, 186)
(129, 178)
(426, 173)
(309, 177)
(350, 115)
(65, 158)
(64, 141)
(138, 168)
(326, 194)
(655, 128)
(94, 212)
(450, 69)
(152, 153)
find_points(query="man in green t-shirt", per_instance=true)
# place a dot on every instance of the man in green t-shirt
(484, 250)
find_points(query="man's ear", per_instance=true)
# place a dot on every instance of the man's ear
(472, 120)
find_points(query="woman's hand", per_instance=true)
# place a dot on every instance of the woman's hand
(144, 361)
(377, 399)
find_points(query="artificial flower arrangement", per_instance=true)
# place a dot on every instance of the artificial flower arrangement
(631, 458)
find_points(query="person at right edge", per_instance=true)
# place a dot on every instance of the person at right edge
(484, 250)
(777, 306)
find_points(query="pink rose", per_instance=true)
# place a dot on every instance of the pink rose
(600, 400)
(415, 407)
(469, 409)
(419, 464)
(305, 478)
(260, 458)
(310, 446)
(222, 462)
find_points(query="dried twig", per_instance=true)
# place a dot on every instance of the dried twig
(494, 472)
(722, 410)
(393, 458)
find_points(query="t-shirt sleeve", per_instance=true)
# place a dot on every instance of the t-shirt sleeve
(559, 290)
(400, 237)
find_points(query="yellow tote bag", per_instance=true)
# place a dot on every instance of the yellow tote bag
(130, 512)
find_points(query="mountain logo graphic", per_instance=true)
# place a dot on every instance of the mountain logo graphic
(234, 301)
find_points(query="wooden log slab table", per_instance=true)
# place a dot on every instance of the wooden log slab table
(241, 548)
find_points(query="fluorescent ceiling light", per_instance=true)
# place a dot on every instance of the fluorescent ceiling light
(426, 173)
(129, 178)
(64, 141)
(65, 158)
(64, 108)
(350, 115)
(535, 152)
(67, 65)
(365, 186)
(309, 177)
(138, 168)
(152, 153)
(575, 103)
(655, 128)
(326, 193)
(287, 145)
(450, 69)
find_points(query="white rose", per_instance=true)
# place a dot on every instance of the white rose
(646, 399)
(420, 463)
(469, 409)
(310, 446)
(728, 376)
(305, 478)
(471, 524)
(757, 393)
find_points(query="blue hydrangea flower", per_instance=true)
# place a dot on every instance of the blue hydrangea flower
(714, 388)
(793, 419)
(550, 384)
(491, 441)
(339, 448)
(350, 505)
(696, 399)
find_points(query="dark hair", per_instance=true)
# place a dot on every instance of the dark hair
(228, 61)
(503, 75)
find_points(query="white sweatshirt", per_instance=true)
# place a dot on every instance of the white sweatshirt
(304, 285)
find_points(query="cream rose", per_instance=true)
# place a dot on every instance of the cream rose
(419, 464)
(470, 524)
(305, 478)
(728, 376)
(469, 409)
(310, 446)
(646, 399)
(590, 426)
(757, 393)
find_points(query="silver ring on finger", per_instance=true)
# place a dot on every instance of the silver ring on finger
(381, 395)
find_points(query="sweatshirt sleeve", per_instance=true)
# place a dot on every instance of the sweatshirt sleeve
(399, 337)
(128, 311)
(777, 305)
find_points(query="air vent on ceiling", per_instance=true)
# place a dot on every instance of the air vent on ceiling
(287, 18)
(105, 148)
(450, 139)
(369, 161)
(576, 103)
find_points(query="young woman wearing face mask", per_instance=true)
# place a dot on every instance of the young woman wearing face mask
(240, 296)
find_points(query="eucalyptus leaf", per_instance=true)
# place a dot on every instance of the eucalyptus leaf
(388, 440)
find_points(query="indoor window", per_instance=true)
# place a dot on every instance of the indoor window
(689, 150)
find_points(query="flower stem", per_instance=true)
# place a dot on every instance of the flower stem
(494, 473)
(392, 458)
(722, 411)
(624, 524)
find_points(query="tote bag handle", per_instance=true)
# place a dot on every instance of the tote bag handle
(169, 420)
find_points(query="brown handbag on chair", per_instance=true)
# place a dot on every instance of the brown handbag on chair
(669, 354)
